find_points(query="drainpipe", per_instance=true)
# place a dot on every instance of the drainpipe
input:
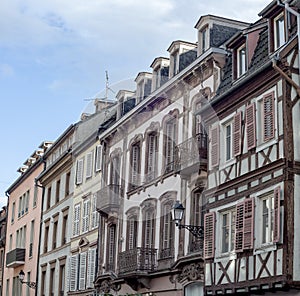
(4, 260)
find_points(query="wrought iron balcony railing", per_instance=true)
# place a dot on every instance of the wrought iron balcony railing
(108, 198)
(191, 153)
(138, 260)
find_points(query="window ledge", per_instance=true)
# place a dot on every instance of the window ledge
(265, 145)
(228, 255)
(265, 248)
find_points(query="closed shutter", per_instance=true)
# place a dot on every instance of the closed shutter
(91, 268)
(79, 171)
(73, 272)
(250, 126)
(82, 270)
(239, 227)
(268, 117)
(89, 165)
(276, 232)
(76, 220)
(86, 216)
(170, 142)
(98, 158)
(132, 229)
(95, 216)
(111, 247)
(151, 156)
(248, 223)
(215, 146)
(237, 133)
(135, 164)
(209, 235)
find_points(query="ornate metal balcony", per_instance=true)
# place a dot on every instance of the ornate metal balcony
(138, 261)
(15, 257)
(108, 198)
(192, 155)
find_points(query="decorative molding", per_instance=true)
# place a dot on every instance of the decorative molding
(191, 272)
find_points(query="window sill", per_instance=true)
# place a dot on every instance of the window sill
(227, 163)
(265, 145)
(228, 255)
(265, 248)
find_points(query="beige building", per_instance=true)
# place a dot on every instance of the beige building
(23, 226)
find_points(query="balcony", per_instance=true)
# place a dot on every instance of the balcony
(15, 257)
(108, 198)
(137, 261)
(192, 155)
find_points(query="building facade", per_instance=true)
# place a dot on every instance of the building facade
(3, 221)
(23, 226)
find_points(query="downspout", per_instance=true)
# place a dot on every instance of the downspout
(7, 195)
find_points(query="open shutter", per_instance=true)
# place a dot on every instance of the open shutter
(151, 156)
(86, 216)
(82, 270)
(209, 235)
(76, 219)
(239, 227)
(94, 211)
(268, 116)
(170, 143)
(215, 146)
(276, 233)
(237, 133)
(73, 272)
(91, 268)
(89, 165)
(98, 158)
(248, 223)
(135, 164)
(79, 171)
(251, 126)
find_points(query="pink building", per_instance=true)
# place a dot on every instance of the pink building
(23, 227)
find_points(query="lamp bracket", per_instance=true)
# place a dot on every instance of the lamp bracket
(197, 231)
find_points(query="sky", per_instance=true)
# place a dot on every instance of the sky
(54, 54)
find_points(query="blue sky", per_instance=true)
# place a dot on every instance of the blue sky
(54, 53)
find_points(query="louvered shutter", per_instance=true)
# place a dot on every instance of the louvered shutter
(111, 246)
(86, 216)
(268, 117)
(135, 164)
(209, 235)
(215, 146)
(82, 270)
(79, 171)
(237, 133)
(98, 158)
(151, 156)
(251, 126)
(248, 223)
(170, 142)
(89, 165)
(132, 228)
(73, 265)
(91, 268)
(239, 227)
(276, 232)
(76, 219)
(95, 216)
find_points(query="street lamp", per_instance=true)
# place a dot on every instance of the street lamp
(177, 215)
(29, 284)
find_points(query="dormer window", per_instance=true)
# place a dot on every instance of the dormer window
(204, 39)
(279, 31)
(241, 60)
(175, 63)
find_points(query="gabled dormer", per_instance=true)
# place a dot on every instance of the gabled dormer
(214, 31)
(281, 22)
(143, 85)
(160, 73)
(182, 54)
(126, 101)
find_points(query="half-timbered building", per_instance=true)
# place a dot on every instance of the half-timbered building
(251, 242)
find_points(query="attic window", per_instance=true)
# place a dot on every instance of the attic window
(241, 60)
(204, 39)
(279, 33)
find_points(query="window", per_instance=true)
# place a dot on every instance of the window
(73, 277)
(170, 144)
(57, 191)
(228, 141)
(270, 215)
(48, 197)
(64, 228)
(7, 287)
(46, 237)
(175, 60)
(115, 170)
(194, 289)
(228, 230)
(43, 283)
(241, 61)
(149, 228)
(167, 233)
(62, 271)
(89, 165)
(95, 214)
(31, 238)
(91, 268)
(132, 226)
(135, 165)
(67, 184)
(10, 242)
(54, 235)
(35, 194)
(52, 281)
(111, 248)
(13, 210)
(279, 31)
(151, 159)
(86, 216)
(82, 270)
(27, 287)
(79, 171)
(76, 222)
(204, 39)
(98, 158)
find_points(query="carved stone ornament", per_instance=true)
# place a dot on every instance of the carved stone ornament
(106, 286)
(191, 272)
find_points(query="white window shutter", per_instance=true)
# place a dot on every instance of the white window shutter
(76, 219)
(82, 270)
(73, 272)
(215, 146)
(91, 268)
(98, 158)
(94, 211)
(89, 165)
(86, 216)
(79, 171)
